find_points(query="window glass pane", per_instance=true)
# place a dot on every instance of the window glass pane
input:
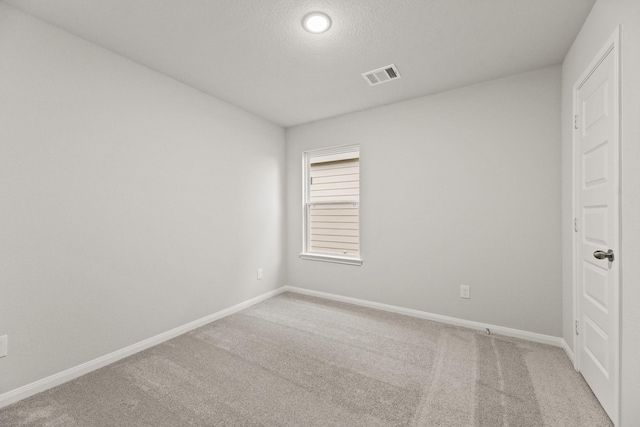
(335, 181)
(334, 228)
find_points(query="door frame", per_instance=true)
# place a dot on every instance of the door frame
(612, 45)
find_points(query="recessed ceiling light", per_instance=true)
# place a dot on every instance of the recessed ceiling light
(316, 22)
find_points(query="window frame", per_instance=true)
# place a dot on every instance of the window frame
(306, 253)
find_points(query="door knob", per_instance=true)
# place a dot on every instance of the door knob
(603, 255)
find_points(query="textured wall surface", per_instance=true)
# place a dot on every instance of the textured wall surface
(131, 204)
(460, 188)
(603, 20)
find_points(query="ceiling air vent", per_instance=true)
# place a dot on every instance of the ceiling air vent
(382, 75)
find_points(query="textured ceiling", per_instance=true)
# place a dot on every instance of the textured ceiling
(255, 54)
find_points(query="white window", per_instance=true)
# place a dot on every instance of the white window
(331, 198)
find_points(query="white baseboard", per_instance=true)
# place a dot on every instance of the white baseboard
(54, 380)
(516, 333)
(570, 353)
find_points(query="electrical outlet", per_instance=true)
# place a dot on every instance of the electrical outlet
(259, 274)
(464, 291)
(4, 341)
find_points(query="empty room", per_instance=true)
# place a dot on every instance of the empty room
(320, 213)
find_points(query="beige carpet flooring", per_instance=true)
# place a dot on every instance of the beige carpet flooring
(295, 360)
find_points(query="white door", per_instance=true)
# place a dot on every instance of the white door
(597, 186)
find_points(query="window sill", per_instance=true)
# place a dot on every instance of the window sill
(331, 258)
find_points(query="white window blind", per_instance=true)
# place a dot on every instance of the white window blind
(332, 205)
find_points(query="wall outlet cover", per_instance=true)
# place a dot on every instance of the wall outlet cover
(464, 291)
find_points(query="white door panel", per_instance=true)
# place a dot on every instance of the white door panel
(597, 208)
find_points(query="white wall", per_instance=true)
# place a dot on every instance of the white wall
(605, 16)
(130, 204)
(458, 188)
